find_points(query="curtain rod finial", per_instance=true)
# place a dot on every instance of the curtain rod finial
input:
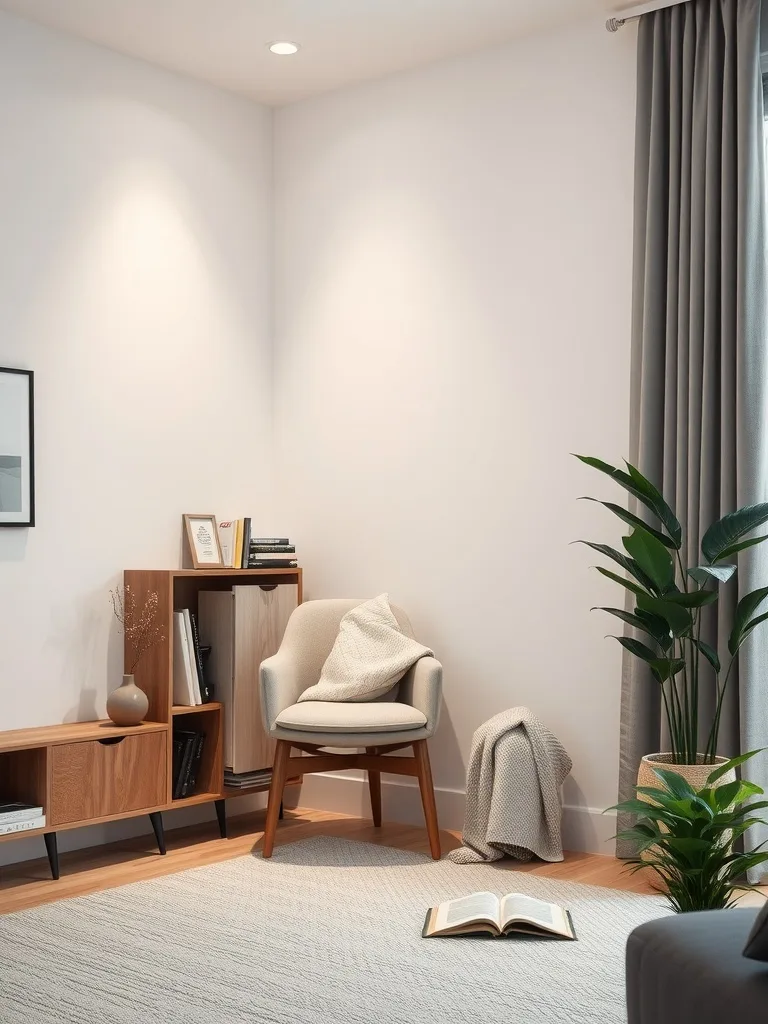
(614, 24)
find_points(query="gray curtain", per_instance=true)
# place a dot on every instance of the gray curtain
(699, 393)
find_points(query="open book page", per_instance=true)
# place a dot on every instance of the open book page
(480, 906)
(518, 908)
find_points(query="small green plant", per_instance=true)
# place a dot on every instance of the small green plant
(670, 600)
(687, 836)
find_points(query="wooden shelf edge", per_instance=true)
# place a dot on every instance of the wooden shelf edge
(28, 833)
(202, 573)
(71, 732)
(185, 709)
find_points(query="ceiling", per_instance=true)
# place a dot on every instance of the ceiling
(224, 42)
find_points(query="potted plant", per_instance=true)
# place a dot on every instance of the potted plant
(669, 600)
(686, 834)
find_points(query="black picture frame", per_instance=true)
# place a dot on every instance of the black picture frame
(19, 460)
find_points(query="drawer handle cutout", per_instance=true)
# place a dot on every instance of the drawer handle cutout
(268, 586)
(112, 741)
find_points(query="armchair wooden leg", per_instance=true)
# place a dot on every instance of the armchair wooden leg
(374, 785)
(428, 796)
(279, 773)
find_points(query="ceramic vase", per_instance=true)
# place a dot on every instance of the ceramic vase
(127, 705)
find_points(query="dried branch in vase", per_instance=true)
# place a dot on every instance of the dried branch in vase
(141, 628)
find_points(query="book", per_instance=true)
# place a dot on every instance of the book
(272, 549)
(183, 687)
(246, 542)
(178, 755)
(272, 563)
(245, 780)
(205, 696)
(190, 656)
(272, 541)
(484, 912)
(238, 553)
(22, 826)
(188, 739)
(193, 768)
(227, 542)
(10, 813)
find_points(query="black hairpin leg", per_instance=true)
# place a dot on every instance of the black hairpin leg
(221, 814)
(281, 814)
(157, 827)
(52, 849)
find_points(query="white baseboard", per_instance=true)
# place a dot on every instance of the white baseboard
(584, 828)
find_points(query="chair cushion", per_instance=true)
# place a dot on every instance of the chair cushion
(333, 716)
(370, 654)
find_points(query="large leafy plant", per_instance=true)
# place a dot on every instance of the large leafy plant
(669, 601)
(686, 836)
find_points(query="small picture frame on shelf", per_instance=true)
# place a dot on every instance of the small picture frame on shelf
(203, 540)
(17, 447)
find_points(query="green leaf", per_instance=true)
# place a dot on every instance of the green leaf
(734, 762)
(636, 590)
(657, 627)
(709, 653)
(637, 648)
(643, 490)
(734, 548)
(725, 795)
(679, 787)
(653, 626)
(726, 531)
(652, 557)
(704, 573)
(628, 564)
(633, 520)
(693, 599)
(679, 619)
(666, 668)
(752, 624)
(746, 607)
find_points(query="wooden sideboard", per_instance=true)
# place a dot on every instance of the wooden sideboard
(87, 773)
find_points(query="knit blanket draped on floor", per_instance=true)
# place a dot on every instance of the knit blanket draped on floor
(516, 769)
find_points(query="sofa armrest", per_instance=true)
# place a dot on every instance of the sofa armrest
(281, 684)
(422, 688)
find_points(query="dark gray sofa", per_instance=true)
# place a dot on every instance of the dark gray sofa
(688, 969)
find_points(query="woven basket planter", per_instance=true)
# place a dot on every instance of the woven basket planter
(695, 774)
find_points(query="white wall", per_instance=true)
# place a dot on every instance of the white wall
(135, 280)
(453, 270)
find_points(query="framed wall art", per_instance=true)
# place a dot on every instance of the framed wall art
(17, 447)
(203, 539)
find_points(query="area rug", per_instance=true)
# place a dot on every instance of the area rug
(328, 930)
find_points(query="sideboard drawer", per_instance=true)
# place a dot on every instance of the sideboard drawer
(97, 778)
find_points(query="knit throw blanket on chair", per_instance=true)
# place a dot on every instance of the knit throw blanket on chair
(516, 768)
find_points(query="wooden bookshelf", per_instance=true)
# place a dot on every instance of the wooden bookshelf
(86, 773)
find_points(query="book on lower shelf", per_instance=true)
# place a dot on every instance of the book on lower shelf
(7, 827)
(188, 745)
(11, 813)
(486, 913)
(247, 780)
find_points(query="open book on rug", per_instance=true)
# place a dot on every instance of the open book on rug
(485, 912)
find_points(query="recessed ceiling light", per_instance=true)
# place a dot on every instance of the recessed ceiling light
(284, 48)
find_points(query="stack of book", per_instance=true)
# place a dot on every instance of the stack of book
(20, 818)
(271, 553)
(239, 550)
(187, 755)
(191, 685)
(245, 780)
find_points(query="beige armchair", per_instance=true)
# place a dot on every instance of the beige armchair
(405, 717)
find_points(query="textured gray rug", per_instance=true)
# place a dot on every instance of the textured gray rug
(327, 931)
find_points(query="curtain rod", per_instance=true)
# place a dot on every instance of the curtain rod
(614, 24)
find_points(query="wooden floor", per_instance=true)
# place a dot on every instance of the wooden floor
(104, 867)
